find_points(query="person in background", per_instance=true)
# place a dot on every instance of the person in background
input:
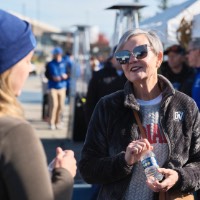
(193, 57)
(101, 58)
(176, 70)
(23, 167)
(113, 146)
(57, 85)
(94, 64)
(105, 81)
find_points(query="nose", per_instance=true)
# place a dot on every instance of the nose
(132, 57)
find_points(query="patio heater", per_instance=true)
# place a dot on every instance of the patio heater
(80, 72)
(126, 18)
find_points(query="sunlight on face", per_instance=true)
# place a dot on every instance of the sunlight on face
(140, 69)
(20, 72)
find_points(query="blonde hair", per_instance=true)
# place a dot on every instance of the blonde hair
(9, 105)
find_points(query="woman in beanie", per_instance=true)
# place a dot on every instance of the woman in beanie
(23, 168)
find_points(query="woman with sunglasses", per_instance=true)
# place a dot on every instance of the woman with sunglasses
(24, 173)
(113, 147)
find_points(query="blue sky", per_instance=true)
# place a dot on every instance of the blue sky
(65, 13)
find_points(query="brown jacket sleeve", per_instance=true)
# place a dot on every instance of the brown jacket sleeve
(23, 168)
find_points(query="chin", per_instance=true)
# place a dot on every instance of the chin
(17, 94)
(135, 78)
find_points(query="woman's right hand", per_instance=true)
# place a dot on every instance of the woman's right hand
(65, 159)
(135, 149)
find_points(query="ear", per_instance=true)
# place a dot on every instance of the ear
(159, 59)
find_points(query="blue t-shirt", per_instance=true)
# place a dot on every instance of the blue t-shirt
(57, 69)
(196, 89)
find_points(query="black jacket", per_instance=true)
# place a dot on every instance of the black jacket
(184, 79)
(103, 82)
(113, 127)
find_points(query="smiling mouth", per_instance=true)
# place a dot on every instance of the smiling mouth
(134, 69)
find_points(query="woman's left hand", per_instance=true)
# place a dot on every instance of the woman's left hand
(171, 177)
(65, 159)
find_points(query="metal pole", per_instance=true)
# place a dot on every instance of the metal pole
(86, 52)
(73, 85)
(116, 30)
(129, 17)
(78, 84)
(121, 27)
(136, 18)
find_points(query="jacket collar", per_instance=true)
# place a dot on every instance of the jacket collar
(130, 100)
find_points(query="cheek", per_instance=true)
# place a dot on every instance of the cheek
(150, 70)
(18, 79)
(125, 69)
(192, 59)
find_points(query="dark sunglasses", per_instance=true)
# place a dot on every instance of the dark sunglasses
(139, 52)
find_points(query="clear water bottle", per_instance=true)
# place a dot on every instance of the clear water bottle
(150, 166)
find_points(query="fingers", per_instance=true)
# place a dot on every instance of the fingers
(171, 177)
(164, 170)
(156, 187)
(65, 159)
(141, 145)
(151, 185)
(70, 162)
(69, 153)
(59, 150)
(164, 186)
(148, 145)
(135, 150)
(59, 153)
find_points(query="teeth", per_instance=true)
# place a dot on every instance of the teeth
(134, 68)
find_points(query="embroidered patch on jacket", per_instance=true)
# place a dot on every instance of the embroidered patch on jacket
(178, 116)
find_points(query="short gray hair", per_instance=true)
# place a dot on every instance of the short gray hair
(195, 43)
(152, 37)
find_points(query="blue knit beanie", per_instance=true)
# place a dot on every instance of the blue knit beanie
(16, 40)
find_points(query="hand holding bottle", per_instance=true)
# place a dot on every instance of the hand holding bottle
(135, 150)
(151, 167)
(171, 177)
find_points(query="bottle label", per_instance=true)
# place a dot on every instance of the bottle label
(148, 162)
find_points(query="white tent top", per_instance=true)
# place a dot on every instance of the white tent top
(196, 26)
(167, 22)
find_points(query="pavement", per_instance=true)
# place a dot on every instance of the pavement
(31, 99)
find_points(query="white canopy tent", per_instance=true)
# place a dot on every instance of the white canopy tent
(167, 22)
(196, 26)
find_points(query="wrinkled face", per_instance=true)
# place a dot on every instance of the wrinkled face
(141, 69)
(20, 72)
(193, 56)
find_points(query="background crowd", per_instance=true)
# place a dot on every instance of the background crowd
(180, 66)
